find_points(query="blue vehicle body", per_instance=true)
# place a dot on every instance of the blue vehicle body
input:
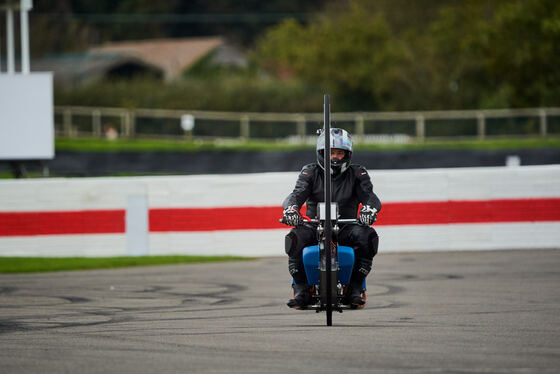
(345, 264)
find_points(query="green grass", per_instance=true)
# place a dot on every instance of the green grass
(488, 144)
(48, 264)
(145, 145)
(101, 145)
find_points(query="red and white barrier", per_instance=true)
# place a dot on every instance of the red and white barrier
(423, 210)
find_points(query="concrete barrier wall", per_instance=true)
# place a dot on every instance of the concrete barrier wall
(95, 164)
(423, 210)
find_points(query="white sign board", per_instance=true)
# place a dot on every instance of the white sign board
(187, 122)
(26, 116)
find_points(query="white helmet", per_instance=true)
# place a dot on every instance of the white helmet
(339, 139)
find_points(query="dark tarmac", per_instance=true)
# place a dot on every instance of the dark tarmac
(449, 312)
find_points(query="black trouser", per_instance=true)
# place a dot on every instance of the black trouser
(363, 239)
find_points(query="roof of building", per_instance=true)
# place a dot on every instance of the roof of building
(172, 56)
(160, 58)
(70, 69)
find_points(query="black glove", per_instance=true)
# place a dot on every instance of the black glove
(368, 215)
(292, 217)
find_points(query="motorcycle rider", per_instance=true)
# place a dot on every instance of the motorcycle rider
(351, 186)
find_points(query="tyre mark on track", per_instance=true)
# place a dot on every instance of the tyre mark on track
(224, 295)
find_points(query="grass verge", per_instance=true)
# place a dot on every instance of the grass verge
(48, 264)
(102, 145)
(151, 145)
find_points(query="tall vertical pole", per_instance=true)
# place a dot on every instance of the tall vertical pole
(10, 40)
(24, 35)
(328, 228)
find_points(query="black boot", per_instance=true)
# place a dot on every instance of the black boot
(360, 272)
(301, 296)
(354, 295)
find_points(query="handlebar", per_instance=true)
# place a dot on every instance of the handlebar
(347, 220)
(341, 220)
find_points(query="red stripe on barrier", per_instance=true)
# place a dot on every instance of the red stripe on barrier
(211, 219)
(56, 223)
(408, 213)
(266, 217)
(470, 211)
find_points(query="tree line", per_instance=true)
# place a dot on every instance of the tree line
(368, 54)
(421, 55)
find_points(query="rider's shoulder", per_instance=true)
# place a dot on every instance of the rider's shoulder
(309, 170)
(359, 171)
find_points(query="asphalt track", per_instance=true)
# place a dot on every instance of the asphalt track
(452, 312)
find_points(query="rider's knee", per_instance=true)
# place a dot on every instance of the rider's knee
(366, 246)
(372, 244)
(291, 244)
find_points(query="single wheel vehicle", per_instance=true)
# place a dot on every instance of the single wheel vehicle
(342, 263)
(328, 266)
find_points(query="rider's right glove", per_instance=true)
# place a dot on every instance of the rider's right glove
(292, 217)
(368, 215)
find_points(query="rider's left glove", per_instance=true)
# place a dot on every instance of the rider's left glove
(292, 217)
(368, 215)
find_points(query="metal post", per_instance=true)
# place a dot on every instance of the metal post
(24, 35)
(126, 123)
(244, 130)
(420, 127)
(359, 127)
(543, 123)
(96, 122)
(67, 122)
(45, 168)
(301, 127)
(123, 124)
(481, 125)
(10, 40)
(132, 123)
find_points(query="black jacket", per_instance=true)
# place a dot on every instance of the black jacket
(348, 190)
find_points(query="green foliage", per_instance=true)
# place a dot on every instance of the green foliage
(205, 69)
(499, 54)
(368, 54)
(226, 92)
(455, 55)
(525, 54)
(352, 54)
